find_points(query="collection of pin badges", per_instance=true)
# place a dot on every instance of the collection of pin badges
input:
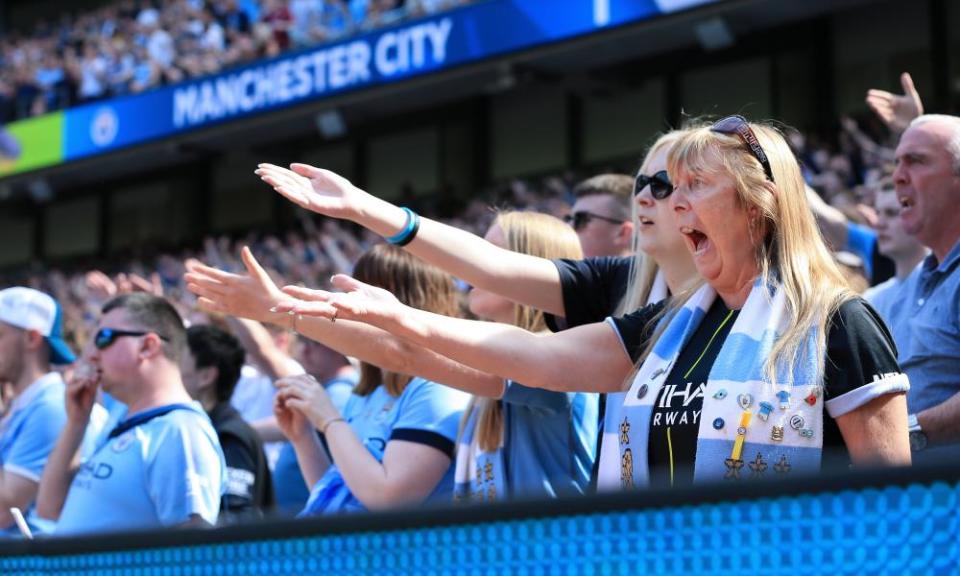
(765, 409)
(796, 422)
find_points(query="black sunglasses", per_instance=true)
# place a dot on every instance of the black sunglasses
(107, 336)
(738, 125)
(579, 220)
(660, 185)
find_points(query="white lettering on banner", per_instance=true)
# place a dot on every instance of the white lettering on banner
(386, 66)
(335, 68)
(360, 61)
(405, 50)
(338, 68)
(227, 96)
(283, 78)
(242, 89)
(301, 71)
(439, 34)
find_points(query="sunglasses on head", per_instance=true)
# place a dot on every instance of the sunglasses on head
(107, 336)
(738, 125)
(579, 220)
(659, 182)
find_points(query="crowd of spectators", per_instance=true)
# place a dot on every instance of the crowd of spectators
(848, 180)
(131, 46)
(844, 171)
(307, 255)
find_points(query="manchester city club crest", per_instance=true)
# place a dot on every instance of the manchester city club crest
(122, 442)
(104, 126)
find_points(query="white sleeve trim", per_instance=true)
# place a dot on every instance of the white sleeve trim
(854, 399)
(19, 471)
(609, 320)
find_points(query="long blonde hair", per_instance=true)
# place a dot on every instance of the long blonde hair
(539, 235)
(643, 268)
(790, 251)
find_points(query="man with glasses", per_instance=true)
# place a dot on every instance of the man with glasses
(160, 466)
(31, 340)
(601, 215)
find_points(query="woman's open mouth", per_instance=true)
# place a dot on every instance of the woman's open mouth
(697, 240)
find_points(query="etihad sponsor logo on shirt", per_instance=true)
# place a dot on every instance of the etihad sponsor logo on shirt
(678, 398)
(90, 471)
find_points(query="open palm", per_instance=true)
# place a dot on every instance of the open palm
(358, 301)
(250, 295)
(314, 189)
(897, 110)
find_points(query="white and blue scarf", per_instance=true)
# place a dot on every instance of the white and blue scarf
(785, 432)
(479, 476)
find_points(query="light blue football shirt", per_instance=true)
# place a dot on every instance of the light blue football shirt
(159, 473)
(551, 439)
(30, 430)
(548, 449)
(426, 413)
(290, 490)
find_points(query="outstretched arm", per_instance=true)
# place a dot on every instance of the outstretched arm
(254, 295)
(519, 277)
(897, 110)
(587, 358)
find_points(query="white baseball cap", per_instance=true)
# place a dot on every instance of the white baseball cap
(31, 309)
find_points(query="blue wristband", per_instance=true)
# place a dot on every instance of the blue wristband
(402, 235)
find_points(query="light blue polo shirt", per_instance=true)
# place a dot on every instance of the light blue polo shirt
(159, 473)
(929, 345)
(889, 300)
(426, 413)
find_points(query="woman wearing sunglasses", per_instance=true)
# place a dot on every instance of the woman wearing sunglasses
(767, 369)
(571, 292)
(576, 291)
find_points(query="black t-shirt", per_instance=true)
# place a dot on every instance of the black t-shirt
(249, 489)
(858, 347)
(592, 289)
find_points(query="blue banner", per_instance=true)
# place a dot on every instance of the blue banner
(468, 34)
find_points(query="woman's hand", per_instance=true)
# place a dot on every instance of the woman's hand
(292, 422)
(305, 395)
(315, 189)
(359, 301)
(248, 296)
